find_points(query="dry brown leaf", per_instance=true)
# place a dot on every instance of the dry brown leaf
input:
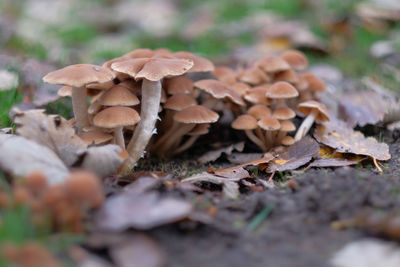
(328, 157)
(233, 172)
(337, 135)
(295, 156)
(20, 157)
(241, 158)
(215, 154)
(51, 131)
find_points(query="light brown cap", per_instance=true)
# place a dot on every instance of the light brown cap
(179, 84)
(289, 76)
(225, 74)
(284, 113)
(302, 83)
(199, 129)
(140, 53)
(108, 63)
(196, 114)
(79, 75)
(219, 90)
(287, 126)
(288, 140)
(256, 95)
(119, 96)
(95, 105)
(281, 90)
(95, 137)
(314, 83)
(259, 111)
(253, 76)
(179, 101)
(272, 64)
(244, 122)
(152, 69)
(240, 88)
(100, 86)
(200, 64)
(116, 117)
(65, 91)
(308, 106)
(296, 59)
(269, 123)
(134, 86)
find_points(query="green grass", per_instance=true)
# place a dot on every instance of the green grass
(7, 100)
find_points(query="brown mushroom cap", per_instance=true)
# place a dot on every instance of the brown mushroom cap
(288, 140)
(152, 69)
(287, 126)
(225, 74)
(240, 88)
(179, 84)
(244, 122)
(119, 96)
(296, 59)
(100, 86)
(95, 137)
(199, 129)
(259, 111)
(281, 90)
(179, 101)
(308, 106)
(314, 83)
(219, 90)
(139, 53)
(257, 94)
(284, 113)
(114, 117)
(253, 76)
(289, 76)
(272, 64)
(269, 123)
(65, 91)
(79, 75)
(196, 114)
(200, 64)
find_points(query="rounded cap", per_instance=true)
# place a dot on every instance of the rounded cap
(288, 140)
(199, 129)
(179, 84)
(140, 53)
(307, 107)
(314, 83)
(269, 123)
(256, 95)
(100, 86)
(253, 76)
(152, 69)
(95, 137)
(200, 64)
(259, 111)
(287, 126)
(289, 76)
(119, 96)
(179, 101)
(296, 59)
(281, 90)
(85, 188)
(114, 117)
(272, 64)
(225, 74)
(240, 88)
(244, 122)
(196, 114)
(219, 90)
(284, 113)
(79, 75)
(65, 91)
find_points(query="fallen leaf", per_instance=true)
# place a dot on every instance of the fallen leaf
(337, 135)
(328, 157)
(295, 156)
(140, 211)
(240, 158)
(20, 157)
(215, 154)
(233, 172)
(51, 131)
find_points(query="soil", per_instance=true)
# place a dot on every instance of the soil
(297, 231)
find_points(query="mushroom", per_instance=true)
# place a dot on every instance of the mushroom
(116, 118)
(95, 137)
(296, 59)
(271, 125)
(315, 111)
(272, 64)
(281, 91)
(286, 126)
(152, 71)
(253, 76)
(249, 123)
(195, 133)
(78, 76)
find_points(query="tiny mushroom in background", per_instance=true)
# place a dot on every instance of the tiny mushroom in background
(151, 71)
(314, 111)
(78, 76)
(296, 59)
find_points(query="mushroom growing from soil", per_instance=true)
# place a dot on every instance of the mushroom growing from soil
(314, 111)
(152, 71)
(248, 123)
(78, 76)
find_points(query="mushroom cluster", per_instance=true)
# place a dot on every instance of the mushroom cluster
(151, 91)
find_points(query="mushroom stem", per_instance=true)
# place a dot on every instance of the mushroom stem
(188, 143)
(119, 137)
(279, 137)
(260, 134)
(255, 140)
(151, 96)
(306, 125)
(175, 136)
(80, 107)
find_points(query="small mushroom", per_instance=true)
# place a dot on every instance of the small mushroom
(248, 123)
(281, 91)
(314, 111)
(296, 59)
(271, 125)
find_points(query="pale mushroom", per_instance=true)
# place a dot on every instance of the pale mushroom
(314, 111)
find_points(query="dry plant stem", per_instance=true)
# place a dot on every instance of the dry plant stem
(188, 143)
(151, 96)
(255, 140)
(175, 137)
(306, 125)
(80, 107)
(119, 137)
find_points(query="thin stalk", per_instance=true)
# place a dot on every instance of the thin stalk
(306, 125)
(80, 107)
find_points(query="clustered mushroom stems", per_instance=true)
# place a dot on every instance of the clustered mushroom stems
(80, 107)
(306, 125)
(258, 141)
(172, 137)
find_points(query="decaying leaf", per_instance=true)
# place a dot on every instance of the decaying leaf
(103, 160)
(328, 157)
(233, 172)
(295, 156)
(20, 157)
(337, 135)
(51, 131)
(215, 154)
(241, 158)
(140, 211)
